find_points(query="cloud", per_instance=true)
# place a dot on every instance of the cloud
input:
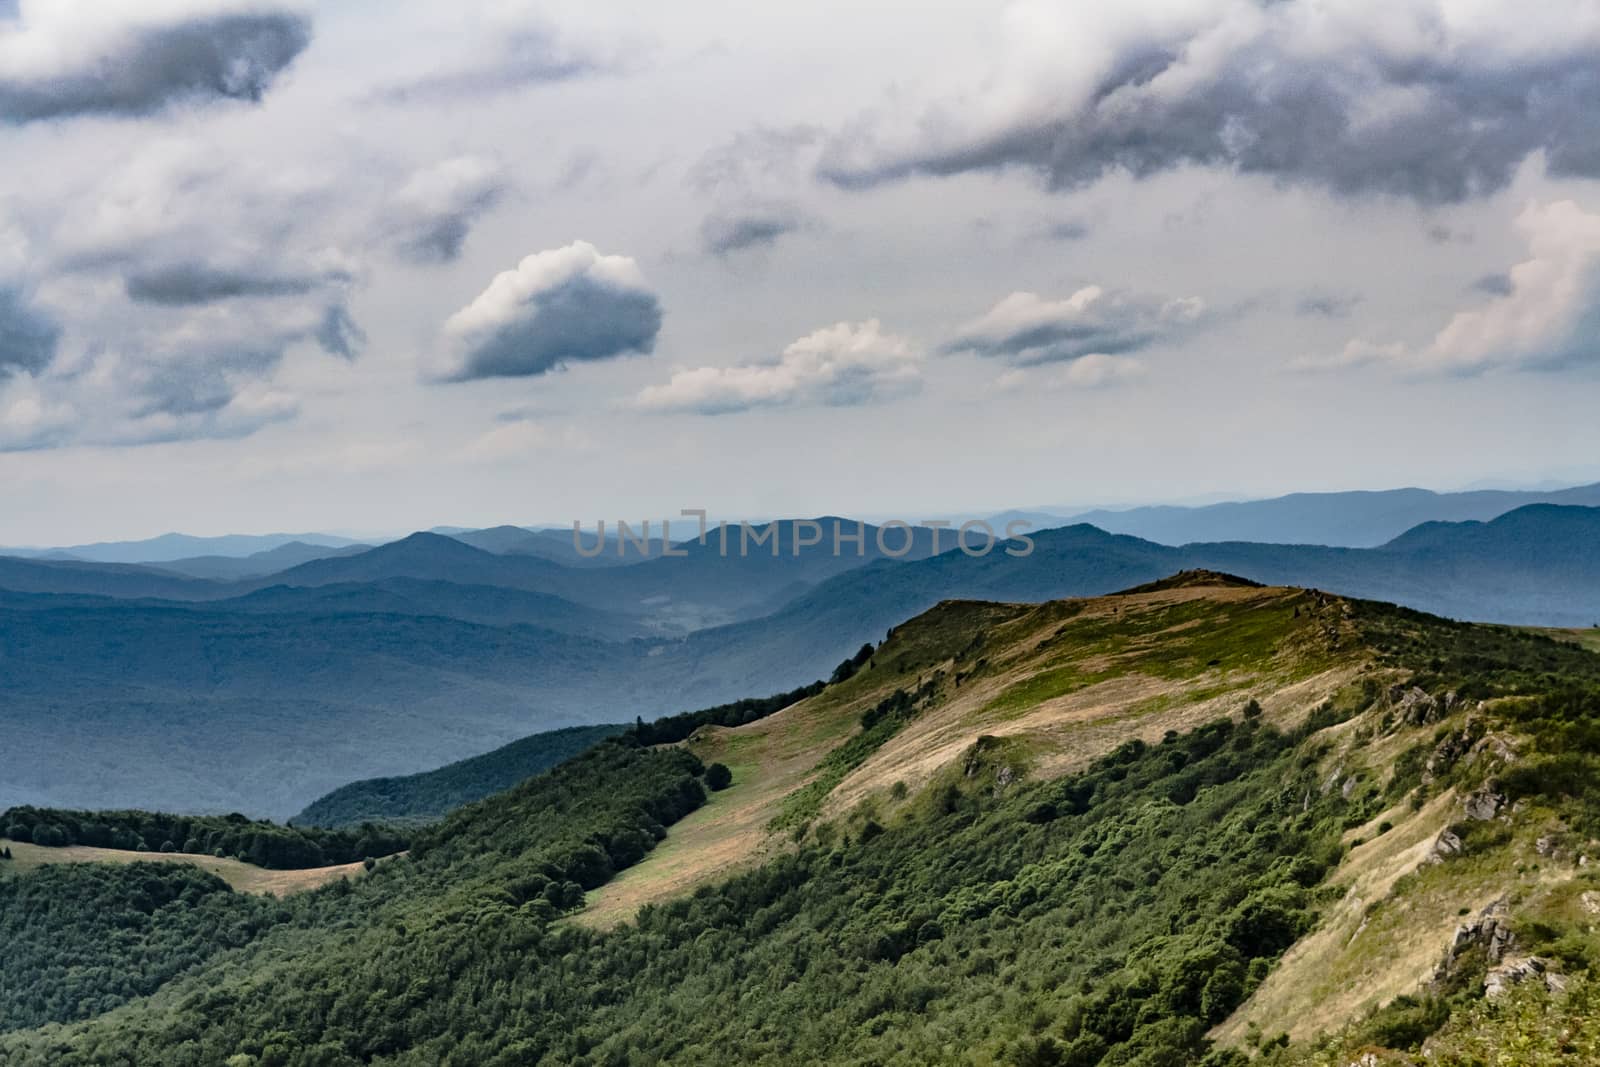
(840, 366)
(723, 233)
(1326, 305)
(1095, 371)
(761, 158)
(182, 284)
(1026, 330)
(567, 305)
(1428, 99)
(68, 58)
(515, 51)
(338, 334)
(1547, 316)
(1498, 284)
(1066, 230)
(28, 337)
(434, 211)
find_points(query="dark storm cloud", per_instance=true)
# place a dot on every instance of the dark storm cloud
(569, 305)
(1297, 93)
(183, 284)
(723, 233)
(28, 337)
(145, 69)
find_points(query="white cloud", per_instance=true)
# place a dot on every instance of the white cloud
(1094, 371)
(838, 366)
(566, 305)
(1026, 329)
(431, 215)
(1547, 315)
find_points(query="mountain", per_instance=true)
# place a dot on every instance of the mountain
(487, 605)
(553, 545)
(292, 692)
(1204, 822)
(1352, 520)
(102, 579)
(1534, 566)
(425, 797)
(233, 568)
(174, 546)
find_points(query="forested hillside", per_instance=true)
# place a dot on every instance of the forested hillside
(421, 798)
(1136, 830)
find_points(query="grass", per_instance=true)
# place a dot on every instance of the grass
(243, 877)
(1056, 685)
(1588, 638)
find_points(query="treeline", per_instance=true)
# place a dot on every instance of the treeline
(674, 728)
(259, 842)
(559, 834)
(415, 799)
(671, 729)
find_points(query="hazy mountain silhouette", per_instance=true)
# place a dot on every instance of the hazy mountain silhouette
(1352, 520)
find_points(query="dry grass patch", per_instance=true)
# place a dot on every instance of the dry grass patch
(243, 877)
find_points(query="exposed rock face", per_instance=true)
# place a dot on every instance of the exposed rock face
(1518, 969)
(1488, 932)
(1484, 804)
(1455, 745)
(1414, 706)
(1445, 846)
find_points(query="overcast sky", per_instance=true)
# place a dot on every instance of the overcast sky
(373, 266)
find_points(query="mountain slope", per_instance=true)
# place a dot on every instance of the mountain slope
(424, 797)
(1125, 863)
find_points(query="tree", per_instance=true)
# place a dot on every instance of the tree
(718, 777)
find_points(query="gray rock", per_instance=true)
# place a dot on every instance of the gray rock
(1518, 969)
(1445, 846)
(1484, 804)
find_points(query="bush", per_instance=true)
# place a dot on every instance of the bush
(718, 777)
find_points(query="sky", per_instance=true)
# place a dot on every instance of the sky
(366, 267)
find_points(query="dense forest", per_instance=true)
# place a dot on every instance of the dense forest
(260, 842)
(80, 939)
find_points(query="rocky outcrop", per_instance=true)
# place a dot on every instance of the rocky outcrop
(1483, 804)
(1446, 845)
(1415, 706)
(1488, 933)
(1514, 970)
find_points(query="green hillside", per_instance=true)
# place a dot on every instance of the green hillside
(1199, 823)
(421, 798)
